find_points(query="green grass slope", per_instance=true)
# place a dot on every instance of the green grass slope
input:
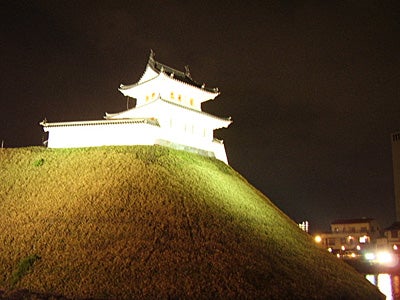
(147, 222)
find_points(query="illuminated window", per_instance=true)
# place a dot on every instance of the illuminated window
(153, 95)
(350, 240)
(172, 95)
(147, 98)
(363, 239)
(394, 234)
(179, 97)
(191, 101)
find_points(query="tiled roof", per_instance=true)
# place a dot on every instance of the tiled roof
(179, 75)
(115, 115)
(394, 226)
(101, 122)
(352, 221)
(196, 111)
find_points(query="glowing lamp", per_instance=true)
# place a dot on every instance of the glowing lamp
(369, 256)
(384, 257)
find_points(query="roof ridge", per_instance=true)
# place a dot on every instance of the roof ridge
(194, 110)
(150, 121)
(208, 90)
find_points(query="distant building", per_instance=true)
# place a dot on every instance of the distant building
(349, 234)
(395, 137)
(392, 235)
(167, 112)
(304, 226)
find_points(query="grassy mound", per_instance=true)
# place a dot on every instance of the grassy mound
(146, 222)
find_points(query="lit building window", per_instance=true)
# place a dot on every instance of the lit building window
(363, 239)
(179, 97)
(147, 98)
(172, 95)
(304, 226)
(153, 95)
(350, 240)
(191, 101)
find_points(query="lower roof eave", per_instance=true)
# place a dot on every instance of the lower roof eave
(100, 122)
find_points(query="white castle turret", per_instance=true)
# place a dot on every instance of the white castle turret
(167, 112)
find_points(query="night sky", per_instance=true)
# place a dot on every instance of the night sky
(312, 87)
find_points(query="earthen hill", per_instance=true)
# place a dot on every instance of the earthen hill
(146, 222)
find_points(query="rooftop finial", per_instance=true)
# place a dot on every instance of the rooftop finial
(187, 71)
(152, 55)
(43, 122)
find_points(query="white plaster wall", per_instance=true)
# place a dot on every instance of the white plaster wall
(128, 134)
(219, 151)
(102, 135)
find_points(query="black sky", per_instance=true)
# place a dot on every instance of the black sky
(312, 87)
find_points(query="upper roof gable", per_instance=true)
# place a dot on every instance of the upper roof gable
(174, 73)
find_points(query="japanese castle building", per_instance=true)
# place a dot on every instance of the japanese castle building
(167, 112)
